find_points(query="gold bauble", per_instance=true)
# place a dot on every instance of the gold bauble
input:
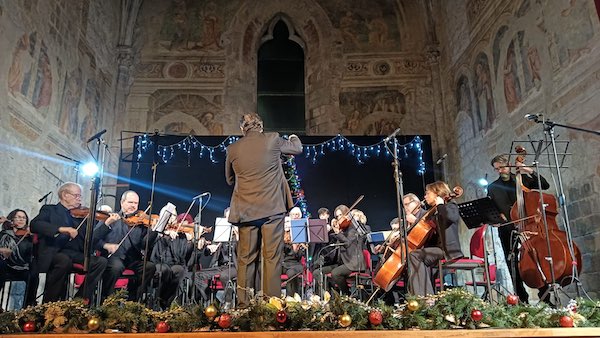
(93, 323)
(413, 305)
(345, 320)
(210, 311)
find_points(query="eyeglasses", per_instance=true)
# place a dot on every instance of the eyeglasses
(74, 195)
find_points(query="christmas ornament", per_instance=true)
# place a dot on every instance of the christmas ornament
(566, 321)
(281, 317)
(375, 317)
(345, 320)
(29, 326)
(162, 327)
(210, 311)
(476, 315)
(224, 321)
(413, 305)
(93, 323)
(512, 299)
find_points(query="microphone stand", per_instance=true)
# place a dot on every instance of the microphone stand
(197, 234)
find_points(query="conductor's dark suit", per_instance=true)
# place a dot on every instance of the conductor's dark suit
(261, 197)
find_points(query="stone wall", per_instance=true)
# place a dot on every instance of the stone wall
(56, 90)
(505, 59)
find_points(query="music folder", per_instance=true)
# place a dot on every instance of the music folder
(378, 236)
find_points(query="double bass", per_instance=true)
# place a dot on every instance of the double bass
(417, 236)
(538, 243)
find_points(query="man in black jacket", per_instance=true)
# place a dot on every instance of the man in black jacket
(503, 193)
(129, 253)
(261, 197)
(444, 244)
(61, 245)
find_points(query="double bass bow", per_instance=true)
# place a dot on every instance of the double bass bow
(545, 256)
(417, 236)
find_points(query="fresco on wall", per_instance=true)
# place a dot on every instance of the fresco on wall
(571, 26)
(205, 110)
(42, 92)
(19, 73)
(91, 121)
(179, 128)
(464, 103)
(188, 25)
(365, 25)
(530, 59)
(483, 93)
(496, 47)
(68, 114)
(372, 111)
(512, 89)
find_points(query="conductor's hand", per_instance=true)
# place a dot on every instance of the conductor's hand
(71, 232)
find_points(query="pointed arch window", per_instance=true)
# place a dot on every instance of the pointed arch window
(281, 79)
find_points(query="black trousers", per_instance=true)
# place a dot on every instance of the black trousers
(58, 274)
(169, 277)
(339, 274)
(115, 269)
(294, 283)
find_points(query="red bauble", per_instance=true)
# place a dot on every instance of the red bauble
(566, 321)
(224, 321)
(512, 299)
(281, 317)
(162, 327)
(29, 326)
(476, 315)
(375, 317)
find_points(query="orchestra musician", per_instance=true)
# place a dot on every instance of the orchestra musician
(503, 192)
(61, 244)
(129, 253)
(171, 254)
(16, 252)
(292, 258)
(350, 257)
(444, 244)
(222, 264)
(261, 197)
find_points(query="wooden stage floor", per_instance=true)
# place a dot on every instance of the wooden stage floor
(495, 333)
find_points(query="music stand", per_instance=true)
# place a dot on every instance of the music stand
(317, 231)
(378, 237)
(223, 230)
(480, 211)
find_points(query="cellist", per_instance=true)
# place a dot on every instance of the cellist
(444, 244)
(413, 212)
(503, 192)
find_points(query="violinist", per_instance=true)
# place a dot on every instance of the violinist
(171, 253)
(61, 245)
(16, 249)
(503, 192)
(350, 257)
(126, 248)
(444, 244)
(292, 258)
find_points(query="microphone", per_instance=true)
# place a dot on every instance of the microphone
(202, 195)
(44, 197)
(392, 135)
(533, 117)
(441, 159)
(96, 136)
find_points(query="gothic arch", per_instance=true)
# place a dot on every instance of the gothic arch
(322, 52)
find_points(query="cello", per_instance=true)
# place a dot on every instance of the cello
(545, 255)
(417, 236)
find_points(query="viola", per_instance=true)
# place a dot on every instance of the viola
(417, 236)
(539, 242)
(84, 212)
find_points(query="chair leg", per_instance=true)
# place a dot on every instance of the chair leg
(441, 275)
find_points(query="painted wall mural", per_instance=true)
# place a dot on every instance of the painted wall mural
(372, 111)
(571, 28)
(364, 25)
(92, 118)
(512, 89)
(486, 112)
(197, 113)
(464, 103)
(68, 113)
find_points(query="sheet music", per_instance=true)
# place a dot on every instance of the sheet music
(165, 215)
(222, 230)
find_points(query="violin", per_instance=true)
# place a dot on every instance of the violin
(141, 218)
(84, 212)
(345, 220)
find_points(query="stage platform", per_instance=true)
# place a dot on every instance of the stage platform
(495, 333)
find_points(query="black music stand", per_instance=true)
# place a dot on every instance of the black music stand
(480, 211)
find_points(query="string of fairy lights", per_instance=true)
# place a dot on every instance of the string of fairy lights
(190, 146)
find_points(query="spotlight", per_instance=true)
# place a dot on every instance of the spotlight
(89, 169)
(483, 181)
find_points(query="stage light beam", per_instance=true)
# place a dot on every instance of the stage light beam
(89, 169)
